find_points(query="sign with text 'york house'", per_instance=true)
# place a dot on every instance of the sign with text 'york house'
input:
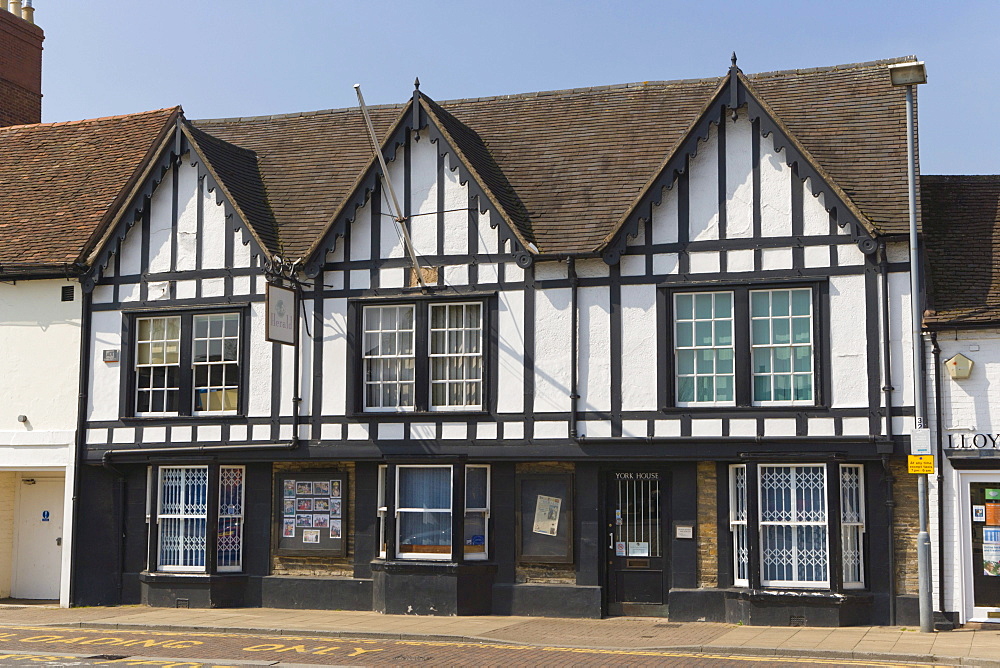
(281, 311)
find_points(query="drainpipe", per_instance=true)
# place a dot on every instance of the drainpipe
(81, 432)
(890, 510)
(574, 394)
(890, 503)
(939, 441)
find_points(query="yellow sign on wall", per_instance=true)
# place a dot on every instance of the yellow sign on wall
(920, 463)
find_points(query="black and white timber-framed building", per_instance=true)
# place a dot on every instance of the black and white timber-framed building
(656, 366)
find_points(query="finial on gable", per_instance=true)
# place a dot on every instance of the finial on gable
(415, 121)
(416, 84)
(734, 83)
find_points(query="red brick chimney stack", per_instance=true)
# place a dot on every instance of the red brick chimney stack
(20, 66)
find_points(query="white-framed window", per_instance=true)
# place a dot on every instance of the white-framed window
(389, 357)
(450, 364)
(182, 517)
(383, 509)
(187, 364)
(744, 347)
(215, 360)
(781, 346)
(229, 542)
(423, 512)
(738, 524)
(477, 511)
(456, 352)
(852, 524)
(703, 348)
(794, 550)
(157, 365)
(794, 524)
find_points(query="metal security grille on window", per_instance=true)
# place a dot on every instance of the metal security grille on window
(852, 523)
(781, 345)
(157, 364)
(229, 548)
(793, 521)
(738, 524)
(183, 518)
(388, 357)
(704, 347)
(216, 362)
(456, 355)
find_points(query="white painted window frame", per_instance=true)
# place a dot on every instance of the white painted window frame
(738, 525)
(224, 363)
(137, 365)
(484, 511)
(399, 511)
(161, 515)
(852, 526)
(791, 345)
(383, 509)
(398, 358)
(794, 523)
(450, 354)
(698, 348)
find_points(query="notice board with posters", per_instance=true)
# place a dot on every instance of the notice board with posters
(310, 513)
(545, 518)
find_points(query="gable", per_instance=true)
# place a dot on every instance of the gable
(749, 183)
(179, 220)
(442, 196)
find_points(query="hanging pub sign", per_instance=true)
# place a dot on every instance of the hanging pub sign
(281, 308)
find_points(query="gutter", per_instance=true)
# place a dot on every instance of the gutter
(108, 454)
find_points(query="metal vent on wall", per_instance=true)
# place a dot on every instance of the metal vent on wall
(68, 293)
(182, 603)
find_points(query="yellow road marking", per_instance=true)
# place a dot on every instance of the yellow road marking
(282, 647)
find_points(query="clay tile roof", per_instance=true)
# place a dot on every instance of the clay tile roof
(61, 182)
(962, 240)
(308, 162)
(566, 166)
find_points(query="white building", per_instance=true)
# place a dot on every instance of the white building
(961, 217)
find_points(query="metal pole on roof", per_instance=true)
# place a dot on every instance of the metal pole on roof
(910, 75)
(399, 217)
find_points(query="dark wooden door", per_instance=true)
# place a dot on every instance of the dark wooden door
(637, 542)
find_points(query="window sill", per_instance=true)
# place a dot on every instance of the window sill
(399, 416)
(180, 419)
(770, 408)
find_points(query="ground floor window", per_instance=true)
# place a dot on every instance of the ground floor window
(183, 516)
(791, 511)
(422, 505)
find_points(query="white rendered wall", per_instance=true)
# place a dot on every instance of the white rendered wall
(7, 481)
(39, 364)
(848, 352)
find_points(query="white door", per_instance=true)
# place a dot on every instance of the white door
(38, 544)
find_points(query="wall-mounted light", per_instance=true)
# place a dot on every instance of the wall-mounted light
(28, 481)
(959, 367)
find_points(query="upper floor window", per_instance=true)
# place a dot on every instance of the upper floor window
(423, 357)
(187, 364)
(744, 347)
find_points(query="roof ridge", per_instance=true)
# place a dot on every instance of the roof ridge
(295, 114)
(832, 68)
(977, 177)
(99, 119)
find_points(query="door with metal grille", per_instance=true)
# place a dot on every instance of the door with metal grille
(637, 541)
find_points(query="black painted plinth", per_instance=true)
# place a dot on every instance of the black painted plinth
(429, 588)
(172, 590)
(547, 600)
(772, 608)
(316, 593)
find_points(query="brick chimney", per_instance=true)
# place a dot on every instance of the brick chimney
(20, 67)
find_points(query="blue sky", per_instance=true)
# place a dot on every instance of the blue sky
(221, 58)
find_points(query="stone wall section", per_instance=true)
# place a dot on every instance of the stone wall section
(708, 525)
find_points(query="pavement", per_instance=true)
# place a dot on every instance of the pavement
(962, 647)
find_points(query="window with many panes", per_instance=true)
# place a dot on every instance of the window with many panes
(744, 347)
(423, 356)
(793, 524)
(182, 516)
(187, 364)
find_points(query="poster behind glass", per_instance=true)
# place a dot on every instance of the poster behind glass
(310, 513)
